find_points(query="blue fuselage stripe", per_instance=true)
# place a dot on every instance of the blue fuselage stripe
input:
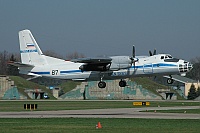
(70, 71)
(155, 65)
(41, 72)
(77, 71)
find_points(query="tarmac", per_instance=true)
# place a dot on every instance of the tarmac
(107, 113)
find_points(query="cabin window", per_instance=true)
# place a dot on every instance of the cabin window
(162, 57)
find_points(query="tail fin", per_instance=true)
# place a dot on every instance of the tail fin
(30, 52)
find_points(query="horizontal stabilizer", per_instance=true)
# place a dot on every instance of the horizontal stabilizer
(19, 64)
(34, 76)
(78, 79)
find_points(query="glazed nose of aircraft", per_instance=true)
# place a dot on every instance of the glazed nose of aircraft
(185, 66)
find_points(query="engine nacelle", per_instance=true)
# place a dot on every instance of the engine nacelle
(94, 67)
(120, 62)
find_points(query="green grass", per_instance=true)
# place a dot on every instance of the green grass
(9, 106)
(22, 84)
(87, 125)
(149, 84)
(69, 85)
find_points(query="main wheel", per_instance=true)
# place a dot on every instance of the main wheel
(102, 84)
(170, 81)
(122, 83)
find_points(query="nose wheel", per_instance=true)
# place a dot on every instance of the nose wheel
(170, 81)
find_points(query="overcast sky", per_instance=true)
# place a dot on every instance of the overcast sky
(104, 27)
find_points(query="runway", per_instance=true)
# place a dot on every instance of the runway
(106, 113)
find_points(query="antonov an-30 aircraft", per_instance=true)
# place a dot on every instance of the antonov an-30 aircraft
(35, 63)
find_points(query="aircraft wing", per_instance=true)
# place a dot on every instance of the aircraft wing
(19, 64)
(94, 64)
(92, 60)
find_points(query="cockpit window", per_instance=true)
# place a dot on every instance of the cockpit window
(168, 57)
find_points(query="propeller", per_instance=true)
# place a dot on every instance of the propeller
(132, 58)
(133, 54)
(151, 54)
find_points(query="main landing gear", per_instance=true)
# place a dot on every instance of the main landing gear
(102, 84)
(122, 83)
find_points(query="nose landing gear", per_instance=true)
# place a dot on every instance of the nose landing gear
(170, 81)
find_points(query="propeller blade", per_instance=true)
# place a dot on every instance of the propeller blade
(154, 52)
(150, 53)
(133, 52)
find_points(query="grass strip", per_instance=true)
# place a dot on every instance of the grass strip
(88, 125)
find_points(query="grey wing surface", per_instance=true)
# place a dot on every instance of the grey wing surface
(94, 64)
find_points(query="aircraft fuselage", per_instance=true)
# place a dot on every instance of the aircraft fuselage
(145, 66)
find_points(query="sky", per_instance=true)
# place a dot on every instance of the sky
(104, 27)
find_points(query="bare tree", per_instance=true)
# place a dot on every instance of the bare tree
(195, 60)
(12, 70)
(53, 54)
(3, 62)
(74, 55)
(5, 58)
